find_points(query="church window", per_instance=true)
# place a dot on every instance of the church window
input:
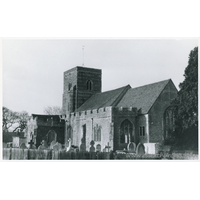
(142, 131)
(89, 85)
(69, 133)
(126, 130)
(168, 122)
(97, 133)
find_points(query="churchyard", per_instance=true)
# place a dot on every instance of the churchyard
(57, 151)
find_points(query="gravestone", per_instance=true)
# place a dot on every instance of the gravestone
(52, 144)
(31, 144)
(98, 148)
(131, 147)
(82, 146)
(23, 146)
(106, 148)
(92, 148)
(43, 145)
(57, 147)
(140, 150)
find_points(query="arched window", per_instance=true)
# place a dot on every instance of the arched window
(97, 133)
(126, 130)
(51, 136)
(168, 122)
(89, 85)
(69, 133)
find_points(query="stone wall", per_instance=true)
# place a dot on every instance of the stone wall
(157, 111)
(143, 122)
(75, 87)
(119, 115)
(46, 123)
(107, 119)
(91, 118)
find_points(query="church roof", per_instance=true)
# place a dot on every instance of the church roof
(104, 99)
(143, 97)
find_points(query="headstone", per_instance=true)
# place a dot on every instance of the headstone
(82, 146)
(31, 145)
(131, 147)
(57, 146)
(23, 146)
(15, 141)
(92, 148)
(140, 150)
(108, 147)
(9, 145)
(43, 145)
(98, 148)
(52, 144)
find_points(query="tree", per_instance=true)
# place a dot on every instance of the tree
(23, 117)
(14, 120)
(54, 110)
(9, 119)
(186, 104)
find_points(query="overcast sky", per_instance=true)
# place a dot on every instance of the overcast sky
(33, 68)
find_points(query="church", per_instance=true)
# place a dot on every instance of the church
(110, 119)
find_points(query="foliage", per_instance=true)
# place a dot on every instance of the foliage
(54, 110)
(186, 104)
(11, 119)
(22, 121)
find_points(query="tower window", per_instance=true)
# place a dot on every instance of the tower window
(89, 85)
(142, 131)
(69, 86)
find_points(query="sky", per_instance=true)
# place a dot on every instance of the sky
(33, 68)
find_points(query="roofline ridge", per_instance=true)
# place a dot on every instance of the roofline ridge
(160, 93)
(121, 95)
(152, 83)
(118, 97)
(110, 90)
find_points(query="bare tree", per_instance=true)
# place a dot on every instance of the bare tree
(16, 120)
(54, 110)
(9, 118)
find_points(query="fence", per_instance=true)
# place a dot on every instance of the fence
(35, 154)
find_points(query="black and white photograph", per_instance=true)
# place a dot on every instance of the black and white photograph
(100, 99)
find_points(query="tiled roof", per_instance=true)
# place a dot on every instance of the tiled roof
(143, 97)
(104, 99)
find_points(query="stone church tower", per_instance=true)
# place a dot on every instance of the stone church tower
(80, 83)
